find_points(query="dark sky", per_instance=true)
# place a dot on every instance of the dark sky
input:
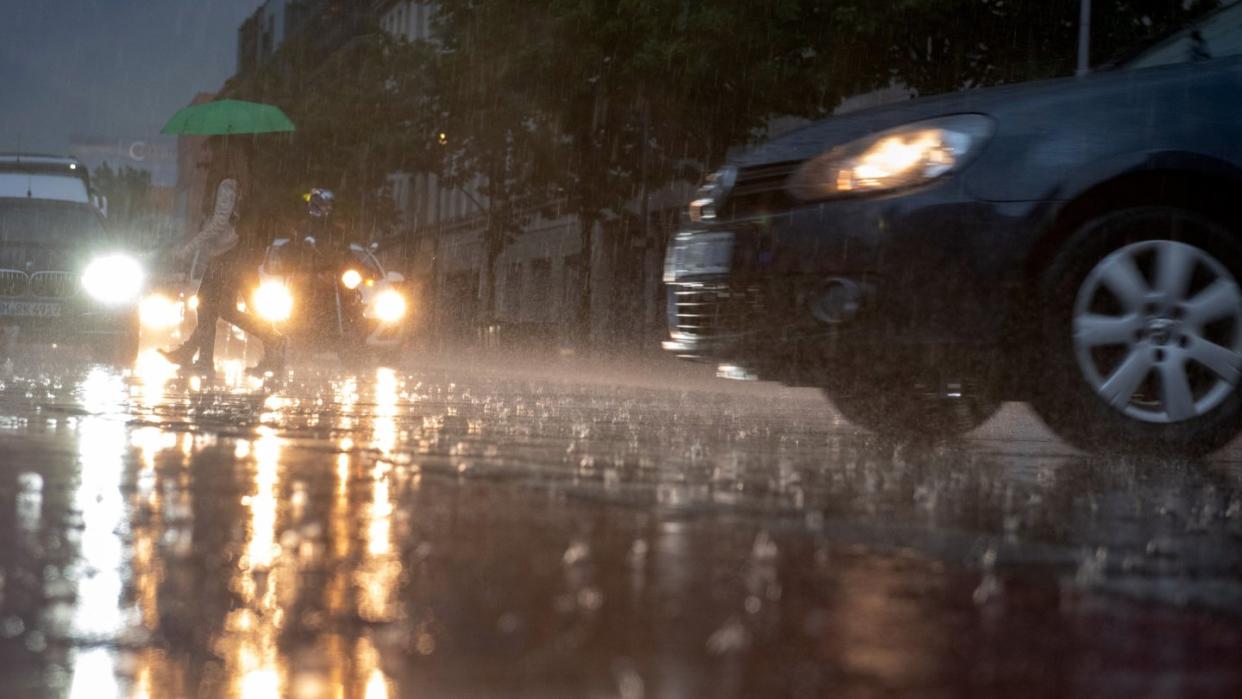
(108, 69)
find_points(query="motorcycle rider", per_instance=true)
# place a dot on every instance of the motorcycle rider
(321, 250)
(323, 233)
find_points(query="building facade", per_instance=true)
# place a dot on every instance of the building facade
(326, 23)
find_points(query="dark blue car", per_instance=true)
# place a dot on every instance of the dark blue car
(1073, 243)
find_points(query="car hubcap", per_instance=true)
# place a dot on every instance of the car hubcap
(1158, 331)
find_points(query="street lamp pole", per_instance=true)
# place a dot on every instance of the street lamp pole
(1084, 37)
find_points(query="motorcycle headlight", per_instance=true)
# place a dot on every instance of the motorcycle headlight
(351, 279)
(113, 280)
(906, 156)
(388, 306)
(273, 301)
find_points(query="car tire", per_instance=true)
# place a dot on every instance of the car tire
(915, 413)
(1136, 357)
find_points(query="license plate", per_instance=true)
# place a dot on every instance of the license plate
(38, 309)
(698, 254)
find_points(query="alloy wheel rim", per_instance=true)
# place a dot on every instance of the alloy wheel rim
(1157, 329)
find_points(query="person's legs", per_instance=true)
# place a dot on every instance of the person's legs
(251, 326)
(273, 342)
(202, 340)
(205, 333)
(222, 281)
(243, 270)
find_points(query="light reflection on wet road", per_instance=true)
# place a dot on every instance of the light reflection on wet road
(451, 532)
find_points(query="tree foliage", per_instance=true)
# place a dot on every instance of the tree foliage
(362, 111)
(127, 189)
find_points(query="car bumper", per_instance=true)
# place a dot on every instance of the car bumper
(368, 332)
(786, 294)
(74, 322)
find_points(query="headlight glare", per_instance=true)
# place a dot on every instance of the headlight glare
(273, 302)
(388, 306)
(159, 312)
(114, 279)
(902, 157)
(351, 279)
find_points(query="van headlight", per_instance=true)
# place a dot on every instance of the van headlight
(273, 301)
(905, 156)
(114, 279)
(388, 306)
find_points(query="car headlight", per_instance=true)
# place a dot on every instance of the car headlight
(114, 279)
(713, 191)
(388, 306)
(273, 301)
(158, 312)
(906, 156)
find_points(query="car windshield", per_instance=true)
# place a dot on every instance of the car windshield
(289, 258)
(366, 261)
(1215, 36)
(41, 185)
(42, 222)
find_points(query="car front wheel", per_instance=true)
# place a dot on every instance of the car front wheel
(1142, 334)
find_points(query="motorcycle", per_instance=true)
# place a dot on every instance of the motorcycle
(331, 297)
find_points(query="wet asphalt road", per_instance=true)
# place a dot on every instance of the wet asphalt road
(477, 530)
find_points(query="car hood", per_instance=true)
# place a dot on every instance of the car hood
(37, 257)
(1029, 97)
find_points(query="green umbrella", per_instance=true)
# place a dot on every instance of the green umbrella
(228, 117)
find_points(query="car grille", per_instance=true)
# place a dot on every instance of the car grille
(53, 285)
(12, 282)
(761, 188)
(707, 312)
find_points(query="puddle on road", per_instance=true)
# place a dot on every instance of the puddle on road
(379, 534)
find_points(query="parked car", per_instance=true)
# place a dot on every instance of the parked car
(62, 278)
(1074, 243)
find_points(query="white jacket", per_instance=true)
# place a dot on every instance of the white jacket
(218, 233)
